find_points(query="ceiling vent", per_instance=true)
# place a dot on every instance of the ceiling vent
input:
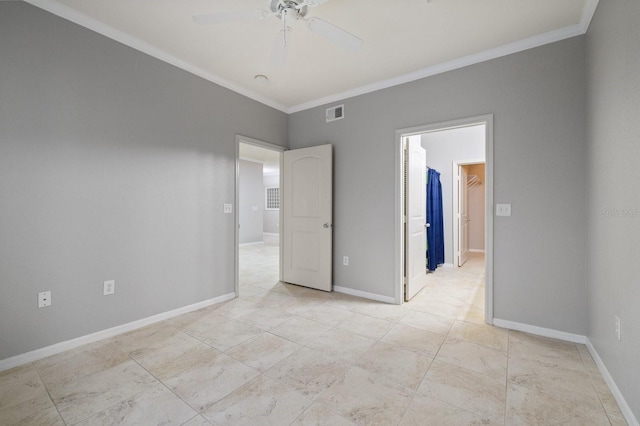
(335, 113)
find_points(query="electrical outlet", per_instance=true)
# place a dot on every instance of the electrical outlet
(345, 260)
(44, 299)
(503, 209)
(228, 208)
(617, 320)
(109, 287)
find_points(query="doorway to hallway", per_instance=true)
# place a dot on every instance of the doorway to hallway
(258, 221)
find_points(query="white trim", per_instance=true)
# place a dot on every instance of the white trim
(81, 19)
(588, 11)
(447, 265)
(622, 403)
(488, 221)
(476, 251)
(507, 49)
(540, 331)
(364, 294)
(37, 354)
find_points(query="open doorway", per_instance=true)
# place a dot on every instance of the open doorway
(469, 211)
(451, 151)
(258, 220)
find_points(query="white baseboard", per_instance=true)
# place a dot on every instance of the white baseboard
(256, 243)
(622, 403)
(540, 331)
(37, 354)
(364, 294)
(476, 251)
(447, 265)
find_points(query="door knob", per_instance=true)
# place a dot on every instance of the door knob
(326, 225)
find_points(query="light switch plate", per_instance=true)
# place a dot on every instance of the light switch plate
(503, 209)
(228, 208)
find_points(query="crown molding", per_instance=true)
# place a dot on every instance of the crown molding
(70, 14)
(588, 11)
(85, 21)
(487, 55)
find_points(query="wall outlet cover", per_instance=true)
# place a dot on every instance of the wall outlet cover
(109, 287)
(44, 299)
(503, 209)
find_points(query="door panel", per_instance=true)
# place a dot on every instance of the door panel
(306, 187)
(416, 214)
(307, 209)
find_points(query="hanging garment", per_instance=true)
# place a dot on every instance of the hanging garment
(426, 234)
(435, 232)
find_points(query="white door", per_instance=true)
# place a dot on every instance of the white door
(416, 218)
(307, 207)
(463, 216)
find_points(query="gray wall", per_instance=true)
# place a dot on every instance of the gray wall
(537, 99)
(251, 202)
(113, 165)
(613, 64)
(272, 217)
(443, 148)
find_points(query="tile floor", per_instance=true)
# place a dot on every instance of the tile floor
(286, 355)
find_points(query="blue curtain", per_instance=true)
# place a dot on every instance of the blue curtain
(435, 232)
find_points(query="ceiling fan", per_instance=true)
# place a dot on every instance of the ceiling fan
(288, 12)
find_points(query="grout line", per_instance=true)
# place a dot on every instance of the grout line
(167, 387)
(48, 393)
(506, 382)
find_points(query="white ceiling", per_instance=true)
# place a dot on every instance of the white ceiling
(270, 159)
(403, 40)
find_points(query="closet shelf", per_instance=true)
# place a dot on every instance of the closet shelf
(473, 180)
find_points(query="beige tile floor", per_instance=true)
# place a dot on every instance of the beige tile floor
(282, 355)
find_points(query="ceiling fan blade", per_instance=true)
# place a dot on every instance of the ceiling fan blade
(335, 34)
(229, 16)
(311, 3)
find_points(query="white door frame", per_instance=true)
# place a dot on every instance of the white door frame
(487, 120)
(266, 145)
(454, 210)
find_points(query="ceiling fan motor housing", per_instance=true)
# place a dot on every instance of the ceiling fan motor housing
(291, 6)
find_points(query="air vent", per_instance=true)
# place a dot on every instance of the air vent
(335, 113)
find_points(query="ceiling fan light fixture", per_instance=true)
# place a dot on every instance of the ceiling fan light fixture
(261, 79)
(288, 12)
(278, 7)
